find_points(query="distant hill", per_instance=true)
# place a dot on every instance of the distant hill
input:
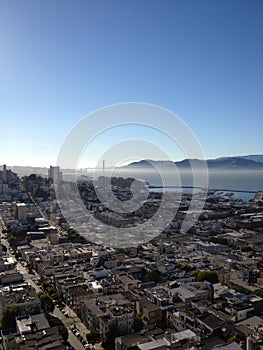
(254, 162)
(219, 163)
(146, 163)
(234, 163)
(255, 157)
(28, 170)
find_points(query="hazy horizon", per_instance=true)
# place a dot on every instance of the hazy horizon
(160, 160)
(61, 61)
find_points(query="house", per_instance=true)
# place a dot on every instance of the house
(160, 297)
(239, 310)
(97, 313)
(12, 276)
(20, 296)
(210, 322)
(6, 263)
(28, 324)
(75, 294)
(151, 313)
(126, 281)
(193, 291)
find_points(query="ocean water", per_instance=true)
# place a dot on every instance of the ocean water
(224, 180)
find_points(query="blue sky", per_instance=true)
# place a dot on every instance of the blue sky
(61, 60)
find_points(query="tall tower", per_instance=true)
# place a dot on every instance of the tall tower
(20, 211)
(4, 173)
(55, 174)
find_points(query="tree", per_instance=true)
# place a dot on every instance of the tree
(58, 297)
(45, 285)
(9, 316)
(209, 276)
(138, 323)
(62, 330)
(30, 268)
(18, 255)
(259, 292)
(50, 291)
(74, 237)
(93, 337)
(55, 322)
(11, 240)
(241, 289)
(109, 343)
(153, 275)
(246, 248)
(46, 302)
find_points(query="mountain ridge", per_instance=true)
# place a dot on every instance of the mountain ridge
(247, 162)
(237, 162)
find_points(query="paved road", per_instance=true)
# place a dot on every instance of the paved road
(74, 342)
(28, 277)
(31, 279)
(68, 322)
(73, 319)
(41, 212)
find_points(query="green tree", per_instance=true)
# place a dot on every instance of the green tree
(58, 297)
(55, 322)
(46, 302)
(93, 337)
(62, 330)
(18, 255)
(9, 317)
(259, 292)
(138, 323)
(153, 275)
(246, 248)
(50, 291)
(241, 289)
(209, 276)
(11, 240)
(74, 237)
(109, 343)
(44, 283)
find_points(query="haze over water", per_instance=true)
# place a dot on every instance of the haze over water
(229, 180)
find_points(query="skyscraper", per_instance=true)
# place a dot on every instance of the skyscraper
(55, 174)
(20, 211)
(4, 173)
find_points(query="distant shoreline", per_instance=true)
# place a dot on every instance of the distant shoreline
(201, 188)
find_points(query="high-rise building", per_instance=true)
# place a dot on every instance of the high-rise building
(55, 174)
(4, 189)
(4, 173)
(20, 211)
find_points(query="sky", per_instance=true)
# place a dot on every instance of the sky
(62, 60)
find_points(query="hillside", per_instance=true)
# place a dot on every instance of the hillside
(218, 163)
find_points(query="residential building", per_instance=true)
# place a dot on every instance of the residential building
(20, 211)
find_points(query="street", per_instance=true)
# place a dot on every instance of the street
(67, 321)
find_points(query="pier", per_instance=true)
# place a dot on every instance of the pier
(204, 189)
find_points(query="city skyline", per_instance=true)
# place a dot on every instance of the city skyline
(62, 61)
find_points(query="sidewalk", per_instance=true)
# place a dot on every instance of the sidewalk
(82, 329)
